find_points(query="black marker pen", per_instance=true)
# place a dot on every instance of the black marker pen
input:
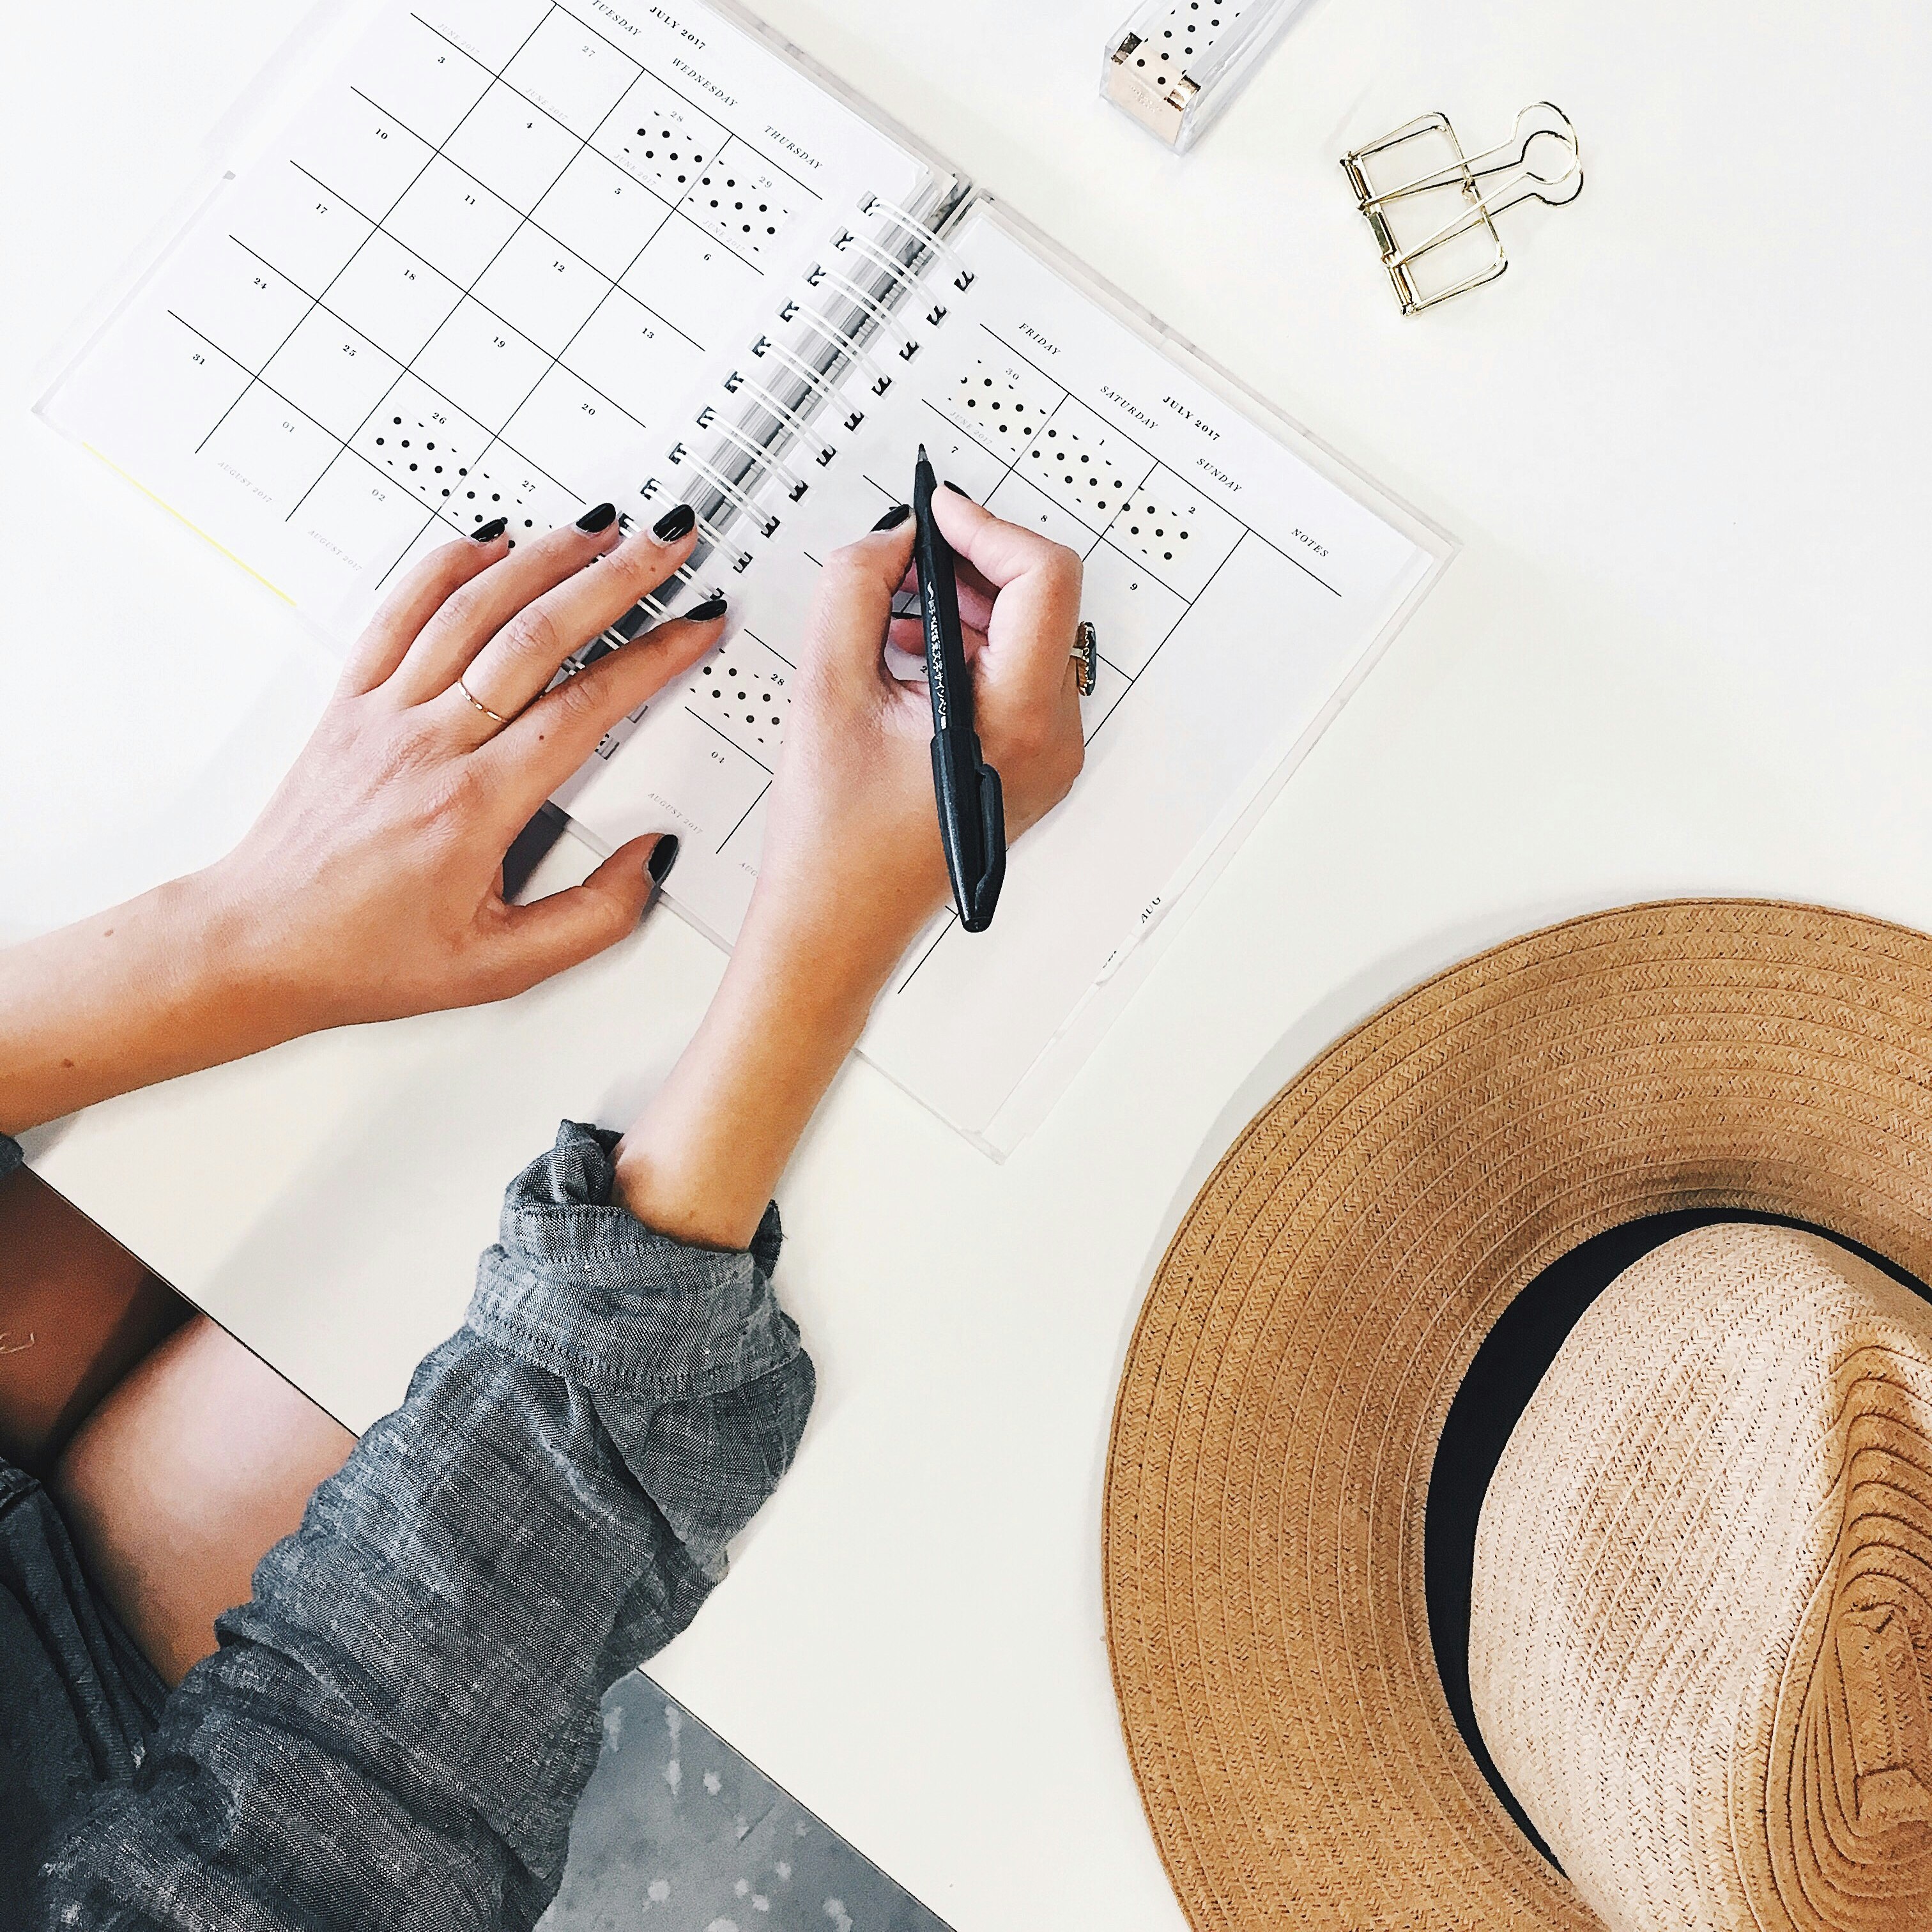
(972, 813)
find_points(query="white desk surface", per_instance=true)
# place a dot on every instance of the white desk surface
(1685, 651)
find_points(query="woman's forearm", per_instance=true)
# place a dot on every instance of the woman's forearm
(702, 1160)
(169, 982)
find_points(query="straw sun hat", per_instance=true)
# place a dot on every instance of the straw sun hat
(1519, 1513)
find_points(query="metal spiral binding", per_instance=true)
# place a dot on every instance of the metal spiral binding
(729, 491)
(876, 204)
(901, 273)
(733, 494)
(803, 369)
(775, 408)
(840, 341)
(712, 535)
(810, 379)
(886, 322)
(752, 451)
(740, 463)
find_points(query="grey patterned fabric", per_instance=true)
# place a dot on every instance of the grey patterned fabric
(397, 1728)
(78, 1702)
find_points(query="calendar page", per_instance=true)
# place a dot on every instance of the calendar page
(519, 255)
(483, 272)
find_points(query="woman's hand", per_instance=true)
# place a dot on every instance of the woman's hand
(371, 886)
(852, 866)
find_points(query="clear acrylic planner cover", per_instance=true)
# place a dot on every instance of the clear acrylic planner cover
(1176, 65)
(510, 256)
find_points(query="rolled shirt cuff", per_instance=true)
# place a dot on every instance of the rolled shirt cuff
(577, 1284)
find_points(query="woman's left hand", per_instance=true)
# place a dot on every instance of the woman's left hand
(373, 881)
(372, 885)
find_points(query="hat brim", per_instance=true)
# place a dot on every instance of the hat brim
(1285, 1387)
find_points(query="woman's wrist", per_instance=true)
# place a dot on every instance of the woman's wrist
(703, 1158)
(838, 944)
(177, 979)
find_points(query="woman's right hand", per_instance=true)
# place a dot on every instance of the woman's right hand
(852, 866)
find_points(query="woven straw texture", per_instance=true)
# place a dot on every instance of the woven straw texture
(1703, 1587)
(1286, 1385)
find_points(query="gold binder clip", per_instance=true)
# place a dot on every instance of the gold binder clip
(1541, 161)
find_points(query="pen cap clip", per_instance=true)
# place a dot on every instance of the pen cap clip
(986, 894)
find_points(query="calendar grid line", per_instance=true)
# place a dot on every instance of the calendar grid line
(764, 646)
(441, 395)
(256, 381)
(952, 922)
(375, 229)
(1067, 395)
(554, 359)
(429, 27)
(468, 293)
(289, 403)
(719, 735)
(494, 431)
(1246, 533)
(583, 141)
(1246, 529)
(1011, 470)
(738, 824)
(497, 437)
(530, 221)
(1287, 557)
(623, 53)
(556, 241)
(1099, 537)
(227, 355)
(602, 194)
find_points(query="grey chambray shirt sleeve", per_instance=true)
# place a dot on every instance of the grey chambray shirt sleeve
(397, 1728)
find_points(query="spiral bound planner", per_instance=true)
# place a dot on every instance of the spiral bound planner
(514, 256)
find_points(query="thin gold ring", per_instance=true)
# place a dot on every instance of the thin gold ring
(493, 717)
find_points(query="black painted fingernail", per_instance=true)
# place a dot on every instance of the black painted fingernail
(599, 518)
(893, 517)
(490, 531)
(712, 607)
(675, 524)
(956, 489)
(664, 856)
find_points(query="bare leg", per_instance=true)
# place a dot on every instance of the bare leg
(76, 1311)
(184, 1478)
